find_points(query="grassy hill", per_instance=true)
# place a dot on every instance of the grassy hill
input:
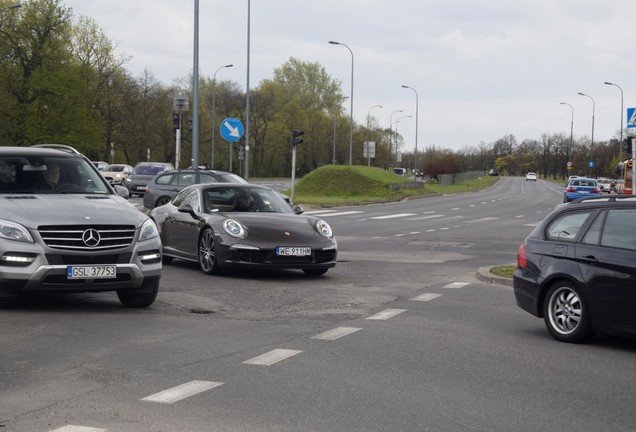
(338, 185)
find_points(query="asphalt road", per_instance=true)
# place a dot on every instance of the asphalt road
(400, 336)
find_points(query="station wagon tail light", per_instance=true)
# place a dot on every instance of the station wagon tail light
(570, 189)
(521, 257)
(597, 190)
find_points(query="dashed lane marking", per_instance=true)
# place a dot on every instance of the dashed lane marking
(399, 215)
(426, 297)
(272, 357)
(456, 285)
(336, 333)
(386, 314)
(73, 428)
(183, 391)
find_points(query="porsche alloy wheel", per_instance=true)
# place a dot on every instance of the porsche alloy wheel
(207, 253)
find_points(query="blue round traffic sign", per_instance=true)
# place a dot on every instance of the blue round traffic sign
(231, 129)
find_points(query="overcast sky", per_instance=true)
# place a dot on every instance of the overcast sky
(482, 69)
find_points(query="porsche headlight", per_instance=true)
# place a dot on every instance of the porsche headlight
(14, 231)
(233, 228)
(148, 230)
(324, 229)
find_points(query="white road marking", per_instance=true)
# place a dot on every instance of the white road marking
(427, 217)
(386, 314)
(455, 208)
(272, 357)
(520, 216)
(429, 212)
(72, 428)
(340, 213)
(456, 285)
(484, 219)
(182, 391)
(415, 232)
(399, 235)
(426, 297)
(393, 216)
(313, 212)
(336, 333)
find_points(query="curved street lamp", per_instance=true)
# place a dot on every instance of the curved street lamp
(417, 103)
(620, 146)
(351, 108)
(396, 132)
(593, 110)
(214, 112)
(369, 132)
(391, 136)
(571, 129)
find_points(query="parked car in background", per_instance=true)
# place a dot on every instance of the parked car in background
(101, 165)
(493, 172)
(164, 186)
(580, 187)
(604, 184)
(399, 171)
(142, 174)
(63, 228)
(116, 174)
(531, 176)
(577, 270)
(230, 225)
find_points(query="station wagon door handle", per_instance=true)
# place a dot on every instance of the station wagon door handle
(590, 259)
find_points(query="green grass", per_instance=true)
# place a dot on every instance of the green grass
(340, 185)
(503, 271)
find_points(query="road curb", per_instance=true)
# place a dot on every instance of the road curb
(484, 275)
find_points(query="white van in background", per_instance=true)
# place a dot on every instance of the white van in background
(399, 171)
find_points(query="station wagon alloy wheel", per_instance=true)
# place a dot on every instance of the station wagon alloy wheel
(566, 315)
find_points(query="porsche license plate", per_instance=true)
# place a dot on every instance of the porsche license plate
(293, 251)
(91, 272)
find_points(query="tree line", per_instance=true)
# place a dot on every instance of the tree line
(62, 82)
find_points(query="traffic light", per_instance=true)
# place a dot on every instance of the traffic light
(294, 138)
(628, 144)
(175, 121)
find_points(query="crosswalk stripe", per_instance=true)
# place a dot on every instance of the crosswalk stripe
(181, 392)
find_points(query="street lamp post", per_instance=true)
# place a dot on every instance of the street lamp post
(620, 146)
(369, 132)
(214, 112)
(417, 103)
(351, 108)
(391, 136)
(335, 115)
(571, 129)
(593, 110)
(396, 132)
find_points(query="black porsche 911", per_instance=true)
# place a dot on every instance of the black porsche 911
(225, 225)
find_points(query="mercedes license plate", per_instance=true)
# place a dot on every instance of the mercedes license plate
(91, 272)
(293, 251)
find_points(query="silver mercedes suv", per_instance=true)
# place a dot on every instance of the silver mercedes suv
(63, 228)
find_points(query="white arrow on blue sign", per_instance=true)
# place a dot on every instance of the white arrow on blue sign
(631, 117)
(231, 129)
